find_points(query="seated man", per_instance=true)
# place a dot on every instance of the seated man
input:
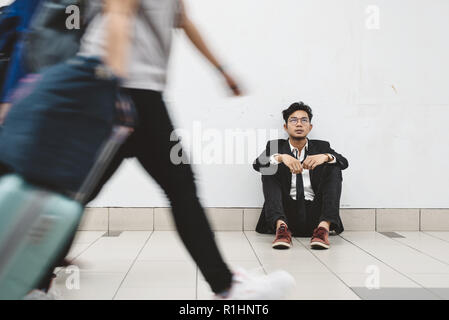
(302, 182)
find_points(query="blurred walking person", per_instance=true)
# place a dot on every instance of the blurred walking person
(143, 69)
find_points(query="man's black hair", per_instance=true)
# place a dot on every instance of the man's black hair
(295, 107)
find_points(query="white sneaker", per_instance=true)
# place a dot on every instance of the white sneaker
(245, 286)
(40, 295)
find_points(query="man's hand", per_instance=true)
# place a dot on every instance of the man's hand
(312, 162)
(292, 163)
(4, 108)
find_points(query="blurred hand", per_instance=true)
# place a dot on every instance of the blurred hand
(314, 161)
(232, 84)
(4, 108)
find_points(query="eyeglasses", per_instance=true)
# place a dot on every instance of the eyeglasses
(295, 120)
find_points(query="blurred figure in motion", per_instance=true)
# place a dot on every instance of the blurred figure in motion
(144, 80)
(36, 138)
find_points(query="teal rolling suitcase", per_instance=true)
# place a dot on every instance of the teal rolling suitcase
(36, 224)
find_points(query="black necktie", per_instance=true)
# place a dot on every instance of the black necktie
(300, 196)
(299, 181)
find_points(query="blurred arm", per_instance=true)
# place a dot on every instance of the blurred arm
(197, 40)
(119, 15)
(195, 37)
(4, 108)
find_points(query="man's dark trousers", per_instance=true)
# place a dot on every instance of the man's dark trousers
(302, 219)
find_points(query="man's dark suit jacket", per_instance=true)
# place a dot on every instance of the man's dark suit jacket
(282, 146)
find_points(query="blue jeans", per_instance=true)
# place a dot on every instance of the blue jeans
(58, 121)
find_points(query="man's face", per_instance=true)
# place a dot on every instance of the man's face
(298, 125)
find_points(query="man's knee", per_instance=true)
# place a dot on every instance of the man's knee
(333, 172)
(271, 179)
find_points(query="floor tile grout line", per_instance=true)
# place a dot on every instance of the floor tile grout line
(422, 252)
(109, 218)
(154, 218)
(90, 245)
(255, 253)
(132, 264)
(331, 271)
(434, 236)
(375, 219)
(78, 255)
(425, 254)
(419, 219)
(391, 267)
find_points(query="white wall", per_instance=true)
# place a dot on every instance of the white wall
(379, 96)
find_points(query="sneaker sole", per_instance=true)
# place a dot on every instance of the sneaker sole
(281, 245)
(319, 245)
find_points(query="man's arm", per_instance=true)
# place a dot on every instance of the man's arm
(328, 155)
(268, 162)
(263, 161)
(119, 15)
(197, 40)
(341, 161)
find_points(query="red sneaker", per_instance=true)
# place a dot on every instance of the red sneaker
(320, 239)
(283, 238)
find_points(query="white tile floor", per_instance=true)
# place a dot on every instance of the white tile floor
(155, 265)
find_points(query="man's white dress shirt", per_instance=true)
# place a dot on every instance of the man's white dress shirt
(308, 191)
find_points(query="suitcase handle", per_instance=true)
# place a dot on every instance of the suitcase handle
(109, 149)
(126, 121)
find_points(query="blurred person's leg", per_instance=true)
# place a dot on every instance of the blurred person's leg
(177, 180)
(152, 146)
